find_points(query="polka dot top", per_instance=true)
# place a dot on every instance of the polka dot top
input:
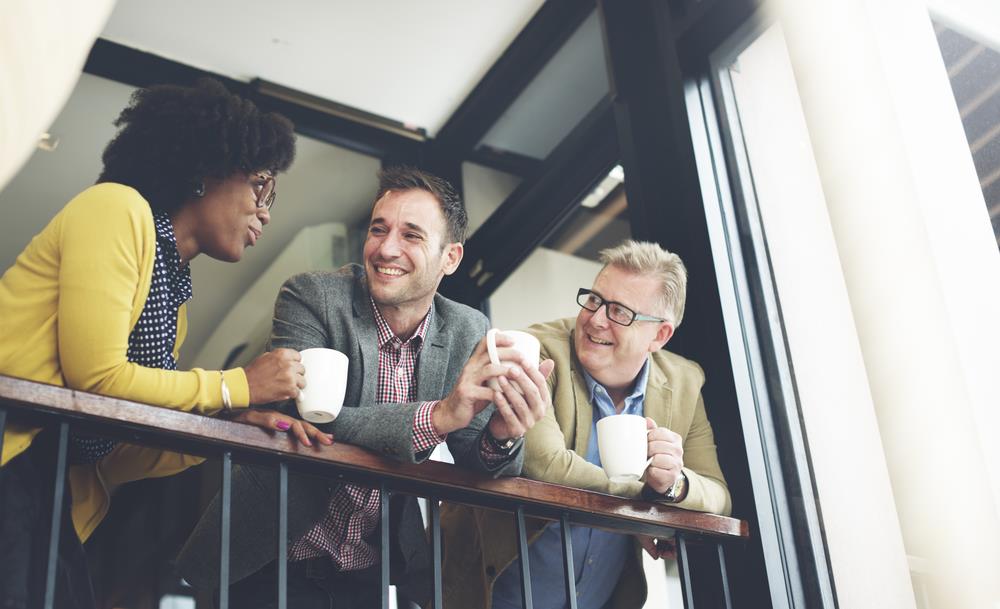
(151, 342)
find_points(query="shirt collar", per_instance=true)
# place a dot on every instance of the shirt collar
(168, 242)
(385, 334)
(164, 228)
(638, 391)
(179, 274)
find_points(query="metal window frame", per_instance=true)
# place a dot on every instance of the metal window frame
(779, 453)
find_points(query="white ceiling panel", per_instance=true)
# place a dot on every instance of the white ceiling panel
(411, 61)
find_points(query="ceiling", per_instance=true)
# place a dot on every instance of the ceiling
(413, 62)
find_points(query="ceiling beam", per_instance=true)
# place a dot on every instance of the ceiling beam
(536, 208)
(504, 160)
(545, 34)
(705, 26)
(361, 133)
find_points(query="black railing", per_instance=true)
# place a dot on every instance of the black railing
(39, 404)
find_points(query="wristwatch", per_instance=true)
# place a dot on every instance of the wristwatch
(675, 492)
(505, 447)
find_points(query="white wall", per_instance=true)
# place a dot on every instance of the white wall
(484, 190)
(248, 320)
(542, 289)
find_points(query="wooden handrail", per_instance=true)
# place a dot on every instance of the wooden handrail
(32, 402)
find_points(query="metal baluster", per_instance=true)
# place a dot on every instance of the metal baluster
(725, 577)
(3, 424)
(282, 536)
(227, 492)
(57, 505)
(567, 543)
(436, 549)
(684, 568)
(384, 493)
(522, 551)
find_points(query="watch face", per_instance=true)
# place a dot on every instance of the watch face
(674, 491)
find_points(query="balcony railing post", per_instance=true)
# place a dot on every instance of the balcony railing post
(684, 567)
(227, 491)
(567, 544)
(282, 535)
(522, 550)
(435, 510)
(384, 585)
(193, 434)
(3, 425)
(57, 506)
(725, 576)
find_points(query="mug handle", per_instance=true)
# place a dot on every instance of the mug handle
(491, 345)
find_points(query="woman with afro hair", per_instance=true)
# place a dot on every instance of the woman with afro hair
(96, 302)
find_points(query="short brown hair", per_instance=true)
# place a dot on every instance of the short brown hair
(403, 177)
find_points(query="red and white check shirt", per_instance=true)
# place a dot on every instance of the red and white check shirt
(353, 512)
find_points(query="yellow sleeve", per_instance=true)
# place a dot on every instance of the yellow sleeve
(107, 247)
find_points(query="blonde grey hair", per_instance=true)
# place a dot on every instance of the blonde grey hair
(649, 259)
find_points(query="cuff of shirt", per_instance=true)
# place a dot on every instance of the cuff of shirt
(425, 437)
(239, 389)
(490, 455)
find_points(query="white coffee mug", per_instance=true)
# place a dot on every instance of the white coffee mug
(621, 441)
(326, 383)
(524, 343)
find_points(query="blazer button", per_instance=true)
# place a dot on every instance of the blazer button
(491, 571)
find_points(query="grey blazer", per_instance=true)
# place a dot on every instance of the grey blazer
(333, 309)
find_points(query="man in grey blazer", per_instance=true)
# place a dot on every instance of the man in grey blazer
(418, 375)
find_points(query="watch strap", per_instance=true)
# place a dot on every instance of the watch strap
(504, 446)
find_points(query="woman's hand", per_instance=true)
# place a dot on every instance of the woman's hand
(276, 375)
(272, 420)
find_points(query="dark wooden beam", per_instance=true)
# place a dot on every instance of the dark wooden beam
(536, 208)
(545, 34)
(513, 163)
(140, 69)
(706, 26)
(657, 153)
(663, 188)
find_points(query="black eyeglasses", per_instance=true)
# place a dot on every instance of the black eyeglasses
(266, 193)
(616, 311)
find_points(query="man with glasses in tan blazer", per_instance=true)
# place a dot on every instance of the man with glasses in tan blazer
(608, 360)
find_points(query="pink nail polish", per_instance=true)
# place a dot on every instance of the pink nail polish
(284, 425)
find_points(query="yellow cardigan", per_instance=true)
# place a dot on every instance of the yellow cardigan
(67, 307)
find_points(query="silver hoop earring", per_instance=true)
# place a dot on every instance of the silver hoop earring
(199, 190)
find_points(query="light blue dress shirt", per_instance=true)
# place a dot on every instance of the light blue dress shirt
(598, 556)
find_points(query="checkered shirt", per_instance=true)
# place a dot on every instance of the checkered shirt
(353, 511)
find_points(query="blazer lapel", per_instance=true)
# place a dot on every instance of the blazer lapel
(581, 401)
(366, 333)
(432, 366)
(659, 401)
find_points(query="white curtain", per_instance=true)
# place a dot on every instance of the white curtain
(43, 45)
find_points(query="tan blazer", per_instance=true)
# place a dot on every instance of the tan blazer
(479, 543)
